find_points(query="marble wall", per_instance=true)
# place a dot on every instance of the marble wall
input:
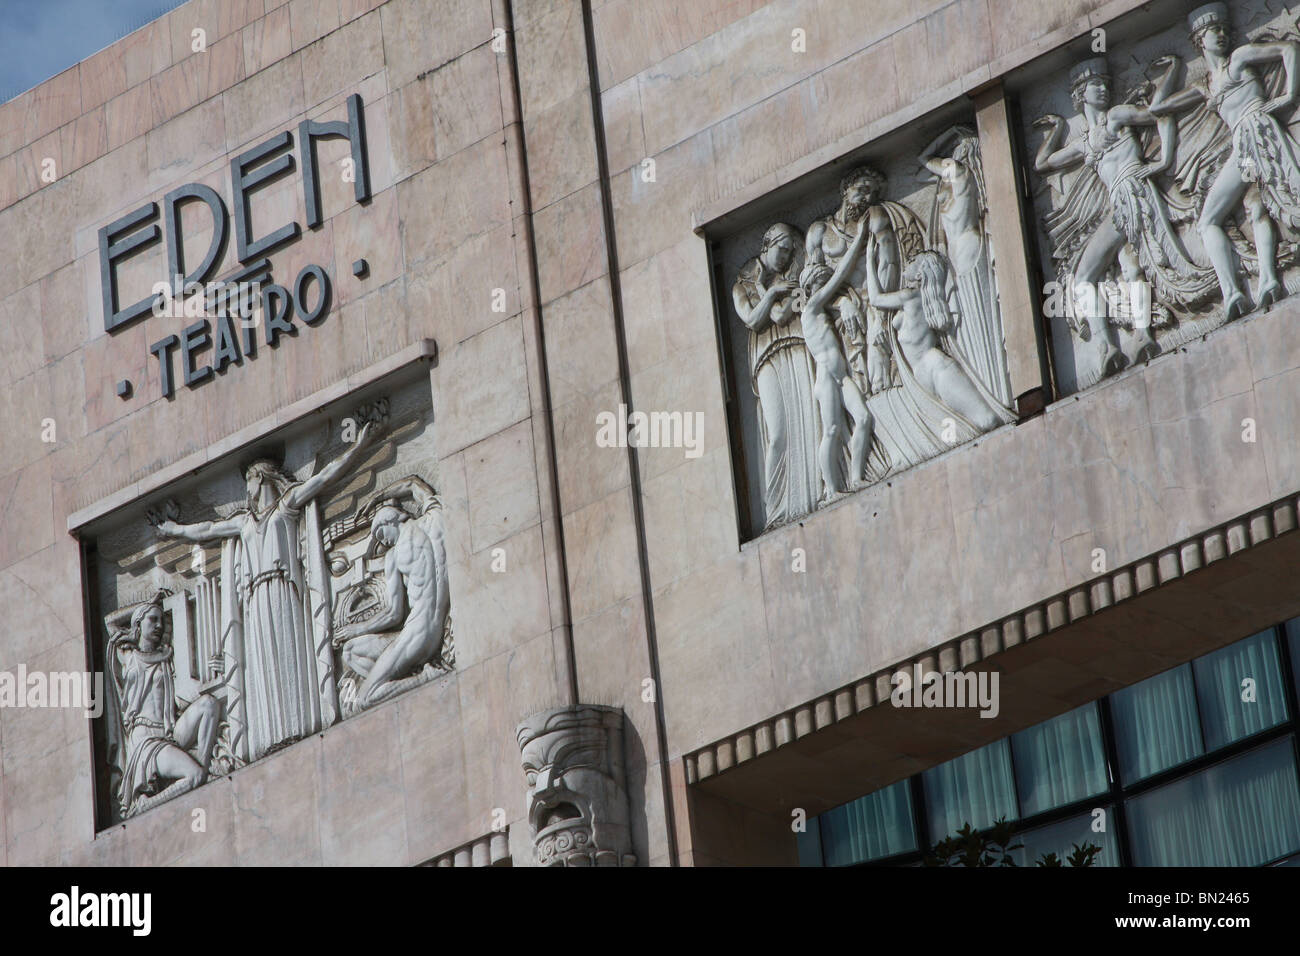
(746, 628)
(568, 238)
(442, 232)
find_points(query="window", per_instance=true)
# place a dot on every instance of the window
(1060, 761)
(976, 788)
(1240, 690)
(1241, 812)
(879, 825)
(1156, 725)
(1193, 767)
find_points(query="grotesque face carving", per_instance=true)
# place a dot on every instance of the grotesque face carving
(577, 800)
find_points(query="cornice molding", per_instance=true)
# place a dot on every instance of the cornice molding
(1146, 574)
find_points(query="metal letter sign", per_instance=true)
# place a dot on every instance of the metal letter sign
(250, 172)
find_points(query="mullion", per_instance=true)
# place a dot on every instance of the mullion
(920, 816)
(1015, 781)
(1196, 701)
(1111, 742)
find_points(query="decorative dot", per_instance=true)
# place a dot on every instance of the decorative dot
(360, 268)
(124, 389)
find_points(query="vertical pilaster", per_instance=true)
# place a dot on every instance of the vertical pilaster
(583, 351)
(1027, 362)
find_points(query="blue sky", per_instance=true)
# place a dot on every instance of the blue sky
(41, 38)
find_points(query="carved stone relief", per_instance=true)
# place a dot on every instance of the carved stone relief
(1169, 200)
(875, 334)
(274, 598)
(577, 789)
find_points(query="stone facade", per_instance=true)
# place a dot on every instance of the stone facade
(571, 218)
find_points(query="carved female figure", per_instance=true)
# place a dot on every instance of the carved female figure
(920, 315)
(961, 204)
(1137, 231)
(161, 745)
(1263, 152)
(281, 674)
(782, 372)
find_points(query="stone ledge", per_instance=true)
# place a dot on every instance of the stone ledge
(493, 849)
(1151, 575)
(425, 350)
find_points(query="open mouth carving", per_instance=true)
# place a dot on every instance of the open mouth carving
(559, 814)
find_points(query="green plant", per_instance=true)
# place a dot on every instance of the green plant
(993, 847)
(1079, 856)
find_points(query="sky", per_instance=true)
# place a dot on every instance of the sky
(42, 38)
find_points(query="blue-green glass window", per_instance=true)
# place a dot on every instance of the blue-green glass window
(1060, 761)
(1240, 690)
(1061, 838)
(1156, 726)
(875, 826)
(1241, 812)
(975, 788)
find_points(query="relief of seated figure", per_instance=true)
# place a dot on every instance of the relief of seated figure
(168, 743)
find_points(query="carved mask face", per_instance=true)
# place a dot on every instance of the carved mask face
(577, 804)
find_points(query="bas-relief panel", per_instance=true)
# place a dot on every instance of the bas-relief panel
(1166, 184)
(864, 324)
(274, 594)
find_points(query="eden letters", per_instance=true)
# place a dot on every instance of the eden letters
(249, 171)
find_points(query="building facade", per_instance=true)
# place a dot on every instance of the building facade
(562, 432)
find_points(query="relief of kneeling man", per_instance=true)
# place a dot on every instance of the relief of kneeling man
(415, 574)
